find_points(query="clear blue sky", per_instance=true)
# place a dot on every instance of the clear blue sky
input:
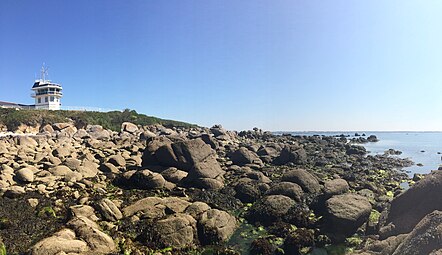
(278, 65)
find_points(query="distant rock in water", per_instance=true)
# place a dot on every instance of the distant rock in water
(392, 152)
(372, 139)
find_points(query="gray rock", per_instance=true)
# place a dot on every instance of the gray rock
(14, 192)
(413, 205)
(293, 154)
(345, 214)
(129, 127)
(217, 226)
(81, 134)
(66, 173)
(243, 156)
(61, 126)
(27, 141)
(387, 246)
(153, 144)
(72, 163)
(304, 179)
(145, 135)
(193, 156)
(176, 231)
(335, 187)
(208, 183)
(109, 210)
(146, 179)
(97, 132)
(117, 160)
(174, 175)
(89, 231)
(88, 169)
(288, 189)
(62, 242)
(109, 168)
(83, 211)
(247, 192)
(144, 205)
(270, 209)
(425, 237)
(196, 209)
(175, 204)
(61, 152)
(25, 175)
(218, 130)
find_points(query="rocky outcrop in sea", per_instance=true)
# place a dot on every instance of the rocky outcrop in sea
(158, 190)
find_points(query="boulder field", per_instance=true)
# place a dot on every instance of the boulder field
(168, 190)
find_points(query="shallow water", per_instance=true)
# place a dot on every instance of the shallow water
(410, 143)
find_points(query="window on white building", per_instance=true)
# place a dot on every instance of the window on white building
(39, 100)
(52, 99)
(46, 99)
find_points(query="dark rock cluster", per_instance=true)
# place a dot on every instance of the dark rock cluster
(158, 190)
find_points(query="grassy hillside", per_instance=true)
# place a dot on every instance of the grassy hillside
(111, 120)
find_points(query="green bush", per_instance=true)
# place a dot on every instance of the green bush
(13, 118)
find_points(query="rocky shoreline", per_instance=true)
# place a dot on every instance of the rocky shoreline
(157, 190)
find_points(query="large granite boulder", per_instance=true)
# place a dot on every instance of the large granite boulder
(335, 187)
(177, 231)
(345, 214)
(412, 206)
(306, 180)
(98, 132)
(270, 208)
(193, 156)
(25, 175)
(216, 226)
(243, 156)
(62, 242)
(129, 127)
(289, 189)
(89, 231)
(291, 154)
(425, 238)
(109, 210)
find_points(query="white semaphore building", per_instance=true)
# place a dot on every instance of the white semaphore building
(46, 93)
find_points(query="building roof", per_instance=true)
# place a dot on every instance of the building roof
(40, 83)
(2, 103)
(15, 105)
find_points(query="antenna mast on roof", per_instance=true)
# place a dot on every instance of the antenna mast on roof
(44, 72)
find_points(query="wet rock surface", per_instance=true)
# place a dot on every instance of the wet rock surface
(158, 190)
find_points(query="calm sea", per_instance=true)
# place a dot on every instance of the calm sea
(421, 147)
